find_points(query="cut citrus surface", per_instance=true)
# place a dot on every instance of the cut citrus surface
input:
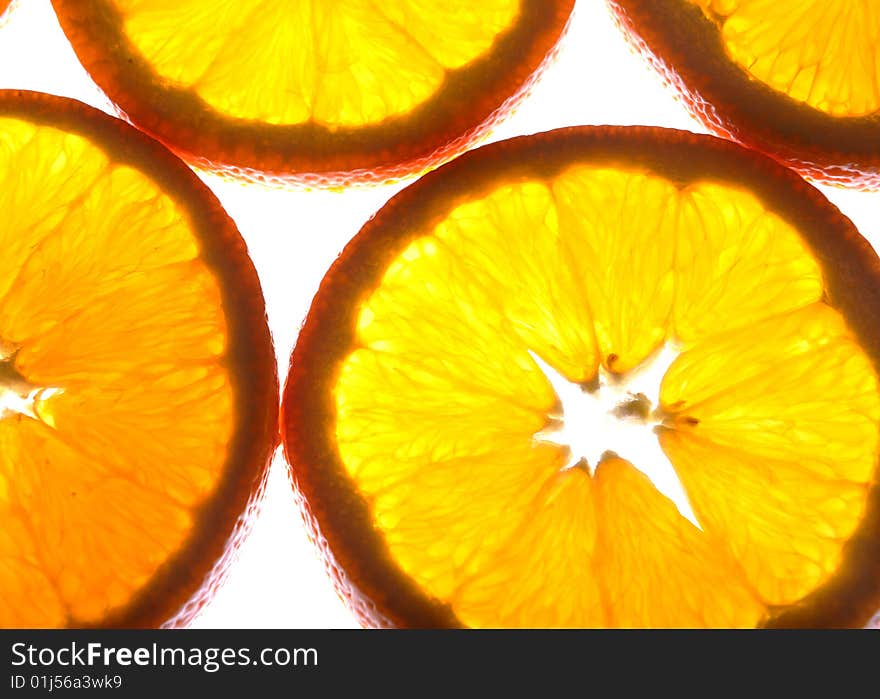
(602, 377)
(322, 92)
(137, 375)
(798, 79)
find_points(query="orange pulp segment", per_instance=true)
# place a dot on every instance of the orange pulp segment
(118, 395)
(337, 64)
(825, 53)
(315, 87)
(769, 415)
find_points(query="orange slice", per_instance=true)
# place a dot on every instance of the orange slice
(137, 375)
(601, 377)
(322, 92)
(798, 79)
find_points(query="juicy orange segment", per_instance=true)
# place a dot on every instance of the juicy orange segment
(784, 525)
(644, 541)
(117, 398)
(769, 415)
(789, 423)
(314, 87)
(796, 79)
(331, 72)
(820, 52)
(792, 386)
(58, 312)
(502, 596)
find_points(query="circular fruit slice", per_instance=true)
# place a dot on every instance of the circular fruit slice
(137, 375)
(323, 92)
(798, 79)
(608, 376)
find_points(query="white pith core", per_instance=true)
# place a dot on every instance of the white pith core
(617, 417)
(17, 395)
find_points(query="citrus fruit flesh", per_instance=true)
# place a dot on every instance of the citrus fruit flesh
(123, 382)
(799, 80)
(824, 54)
(441, 469)
(312, 86)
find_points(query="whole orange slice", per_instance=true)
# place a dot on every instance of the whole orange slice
(137, 375)
(323, 92)
(798, 79)
(603, 377)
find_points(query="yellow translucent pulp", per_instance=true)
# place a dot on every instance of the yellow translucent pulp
(331, 62)
(825, 53)
(117, 409)
(771, 409)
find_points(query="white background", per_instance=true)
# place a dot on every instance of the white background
(293, 236)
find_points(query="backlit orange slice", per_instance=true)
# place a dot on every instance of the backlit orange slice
(318, 91)
(602, 377)
(137, 376)
(798, 79)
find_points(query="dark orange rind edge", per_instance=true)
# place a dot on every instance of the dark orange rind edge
(179, 590)
(688, 52)
(362, 569)
(475, 98)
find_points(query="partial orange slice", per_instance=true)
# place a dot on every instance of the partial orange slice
(323, 92)
(798, 79)
(598, 377)
(137, 375)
